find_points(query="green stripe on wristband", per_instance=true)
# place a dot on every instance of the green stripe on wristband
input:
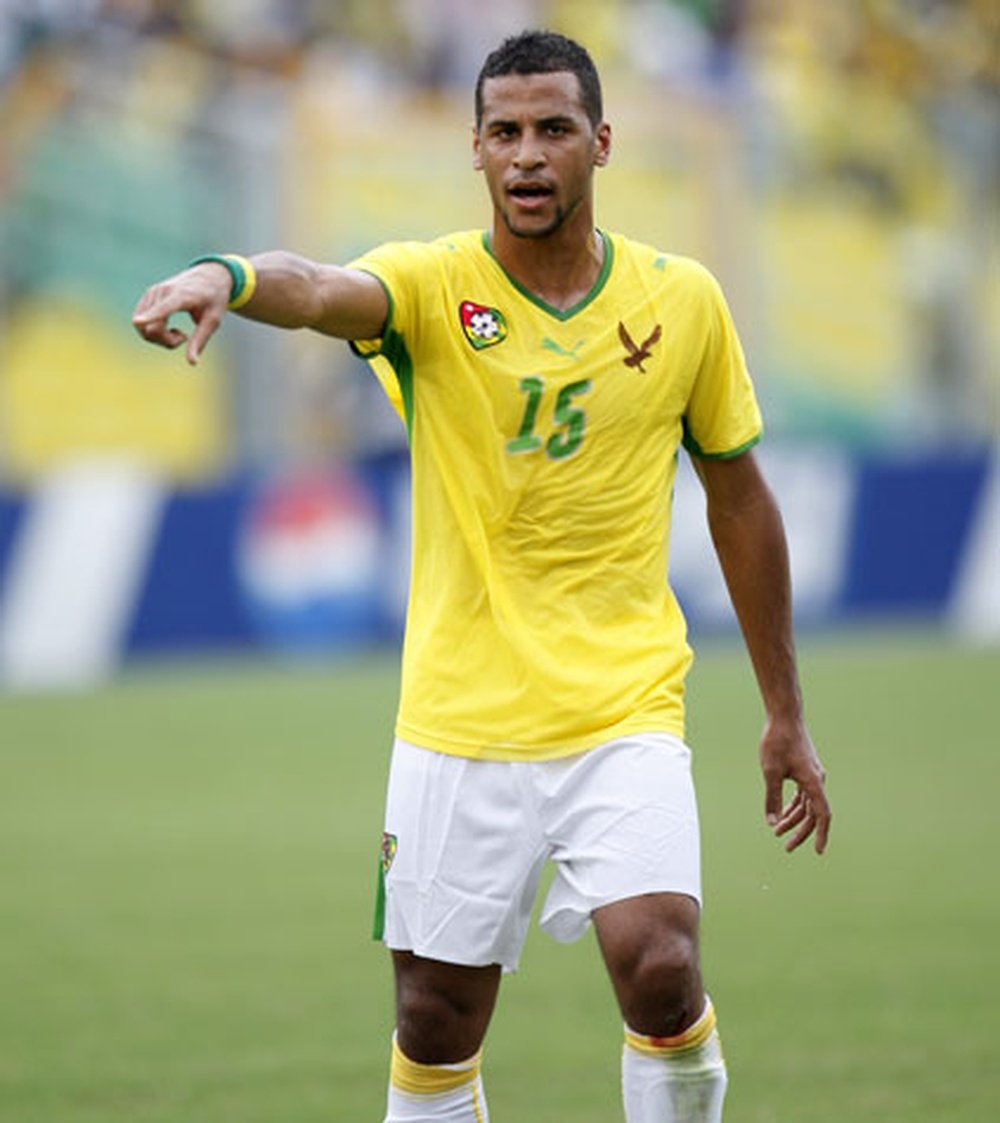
(242, 272)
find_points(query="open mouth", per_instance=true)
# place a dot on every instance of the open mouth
(530, 192)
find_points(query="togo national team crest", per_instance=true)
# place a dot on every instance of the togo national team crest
(390, 844)
(483, 326)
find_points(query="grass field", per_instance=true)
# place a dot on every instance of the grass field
(187, 861)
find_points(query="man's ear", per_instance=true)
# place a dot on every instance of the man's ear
(602, 145)
(477, 156)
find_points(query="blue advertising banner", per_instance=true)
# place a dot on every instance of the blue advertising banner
(307, 561)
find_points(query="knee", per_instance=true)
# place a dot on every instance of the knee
(427, 1023)
(666, 967)
(660, 990)
(442, 1009)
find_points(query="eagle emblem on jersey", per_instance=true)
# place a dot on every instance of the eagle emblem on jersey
(483, 326)
(390, 844)
(638, 353)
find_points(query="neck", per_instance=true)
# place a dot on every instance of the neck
(560, 268)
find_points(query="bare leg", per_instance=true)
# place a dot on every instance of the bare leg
(650, 947)
(442, 1009)
(442, 1012)
(672, 1065)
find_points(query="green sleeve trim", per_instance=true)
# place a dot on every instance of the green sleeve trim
(394, 350)
(357, 346)
(695, 449)
(391, 347)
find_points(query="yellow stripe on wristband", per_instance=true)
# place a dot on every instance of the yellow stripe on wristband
(430, 1080)
(242, 293)
(243, 276)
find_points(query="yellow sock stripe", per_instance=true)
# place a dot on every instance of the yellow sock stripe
(431, 1080)
(694, 1036)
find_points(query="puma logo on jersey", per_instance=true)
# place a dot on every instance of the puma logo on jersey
(566, 352)
(483, 326)
(638, 354)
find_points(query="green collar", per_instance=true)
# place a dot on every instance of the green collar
(558, 313)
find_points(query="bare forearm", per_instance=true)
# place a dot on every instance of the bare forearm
(754, 557)
(288, 291)
(294, 292)
(749, 539)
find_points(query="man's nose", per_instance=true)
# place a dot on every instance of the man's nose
(530, 153)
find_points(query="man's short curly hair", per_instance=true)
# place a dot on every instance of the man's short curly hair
(544, 52)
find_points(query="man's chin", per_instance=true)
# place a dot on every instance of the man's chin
(532, 229)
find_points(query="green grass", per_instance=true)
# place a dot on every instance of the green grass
(186, 870)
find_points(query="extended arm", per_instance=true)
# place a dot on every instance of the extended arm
(291, 292)
(749, 538)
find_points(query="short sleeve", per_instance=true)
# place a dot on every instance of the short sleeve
(722, 418)
(398, 267)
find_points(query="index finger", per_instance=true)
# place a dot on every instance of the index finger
(206, 325)
(154, 304)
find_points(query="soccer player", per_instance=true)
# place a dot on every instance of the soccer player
(547, 372)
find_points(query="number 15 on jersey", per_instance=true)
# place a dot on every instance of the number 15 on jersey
(568, 425)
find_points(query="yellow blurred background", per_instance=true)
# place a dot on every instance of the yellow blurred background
(834, 163)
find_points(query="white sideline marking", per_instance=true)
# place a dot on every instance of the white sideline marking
(75, 573)
(975, 606)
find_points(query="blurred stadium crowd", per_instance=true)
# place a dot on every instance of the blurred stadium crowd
(836, 164)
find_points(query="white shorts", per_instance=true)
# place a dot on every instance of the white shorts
(465, 842)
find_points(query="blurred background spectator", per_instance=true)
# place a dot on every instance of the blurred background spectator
(836, 164)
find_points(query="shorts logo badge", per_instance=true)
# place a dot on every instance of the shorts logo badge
(390, 844)
(483, 327)
(637, 354)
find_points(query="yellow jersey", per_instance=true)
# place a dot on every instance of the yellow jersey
(543, 447)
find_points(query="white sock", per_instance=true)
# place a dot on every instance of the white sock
(434, 1093)
(678, 1079)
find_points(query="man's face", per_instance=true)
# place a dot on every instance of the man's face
(538, 150)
